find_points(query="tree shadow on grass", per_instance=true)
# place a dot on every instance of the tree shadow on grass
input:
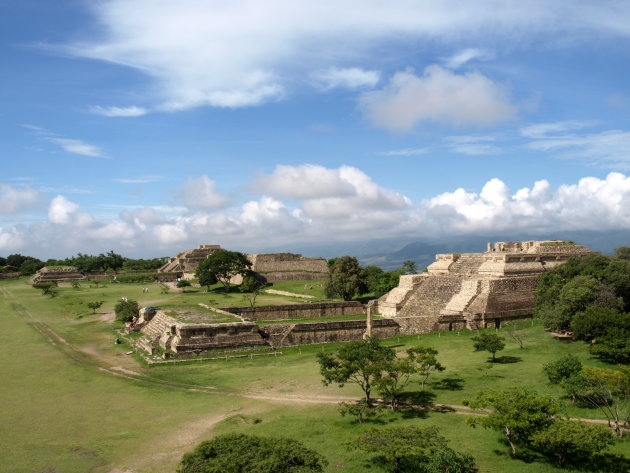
(609, 463)
(449, 384)
(506, 359)
(420, 404)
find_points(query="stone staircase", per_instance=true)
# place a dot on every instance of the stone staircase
(467, 264)
(158, 326)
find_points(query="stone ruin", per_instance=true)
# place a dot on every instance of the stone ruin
(57, 274)
(471, 290)
(274, 266)
(288, 266)
(187, 261)
(185, 338)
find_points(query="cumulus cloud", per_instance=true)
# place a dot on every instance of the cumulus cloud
(610, 147)
(64, 212)
(332, 193)
(440, 96)
(246, 52)
(202, 194)
(350, 78)
(132, 111)
(360, 209)
(18, 199)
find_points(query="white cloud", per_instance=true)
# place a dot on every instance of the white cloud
(610, 147)
(473, 145)
(246, 52)
(406, 152)
(462, 57)
(138, 180)
(132, 111)
(61, 211)
(353, 207)
(350, 78)
(325, 192)
(468, 100)
(18, 199)
(78, 147)
(202, 194)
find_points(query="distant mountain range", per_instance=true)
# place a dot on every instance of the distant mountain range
(389, 254)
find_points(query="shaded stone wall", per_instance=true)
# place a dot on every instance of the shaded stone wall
(326, 332)
(297, 311)
(272, 262)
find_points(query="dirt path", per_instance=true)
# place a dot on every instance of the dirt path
(82, 356)
(286, 293)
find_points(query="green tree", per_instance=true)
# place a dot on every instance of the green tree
(413, 449)
(609, 391)
(425, 362)
(393, 378)
(346, 279)
(562, 368)
(613, 346)
(570, 440)
(94, 305)
(595, 322)
(357, 362)
(409, 267)
(623, 252)
(360, 410)
(490, 342)
(516, 412)
(222, 266)
(240, 453)
(126, 310)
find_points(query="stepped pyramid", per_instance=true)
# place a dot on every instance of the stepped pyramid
(471, 290)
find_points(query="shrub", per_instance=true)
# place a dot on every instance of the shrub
(131, 278)
(126, 310)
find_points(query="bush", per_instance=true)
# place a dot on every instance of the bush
(562, 368)
(183, 283)
(240, 453)
(126, 310)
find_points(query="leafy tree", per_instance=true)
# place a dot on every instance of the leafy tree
(562, 368)
(346, 279)
(425, 362)
(240, 453)
(393, 377)
(357, 362)
(409, 267)
(126, 310)
(570, 440)
(253, 284)
(613, 346)
(609, 391)
(94, 305)
(596, 321)
(517, 412)
(31, 265)
(412, 449)
(623, 252)
(490, 342)
(222, 266)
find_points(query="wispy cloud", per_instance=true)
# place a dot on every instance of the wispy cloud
(406, 152)
(70, 145)
(132, 111)
(608, 147)
(350, 78)
(467, 55)
(473, 145)
(138, 180)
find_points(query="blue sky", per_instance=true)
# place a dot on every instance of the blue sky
(150, 126)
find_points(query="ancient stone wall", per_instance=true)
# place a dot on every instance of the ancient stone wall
(326, 332)
(57, 274)
(297, 311)
(278, 262)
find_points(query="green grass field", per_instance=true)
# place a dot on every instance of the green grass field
(75, 402)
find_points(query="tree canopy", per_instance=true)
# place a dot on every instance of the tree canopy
(346, 279)
(221, 266)
(490, 342)
(357, 362)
